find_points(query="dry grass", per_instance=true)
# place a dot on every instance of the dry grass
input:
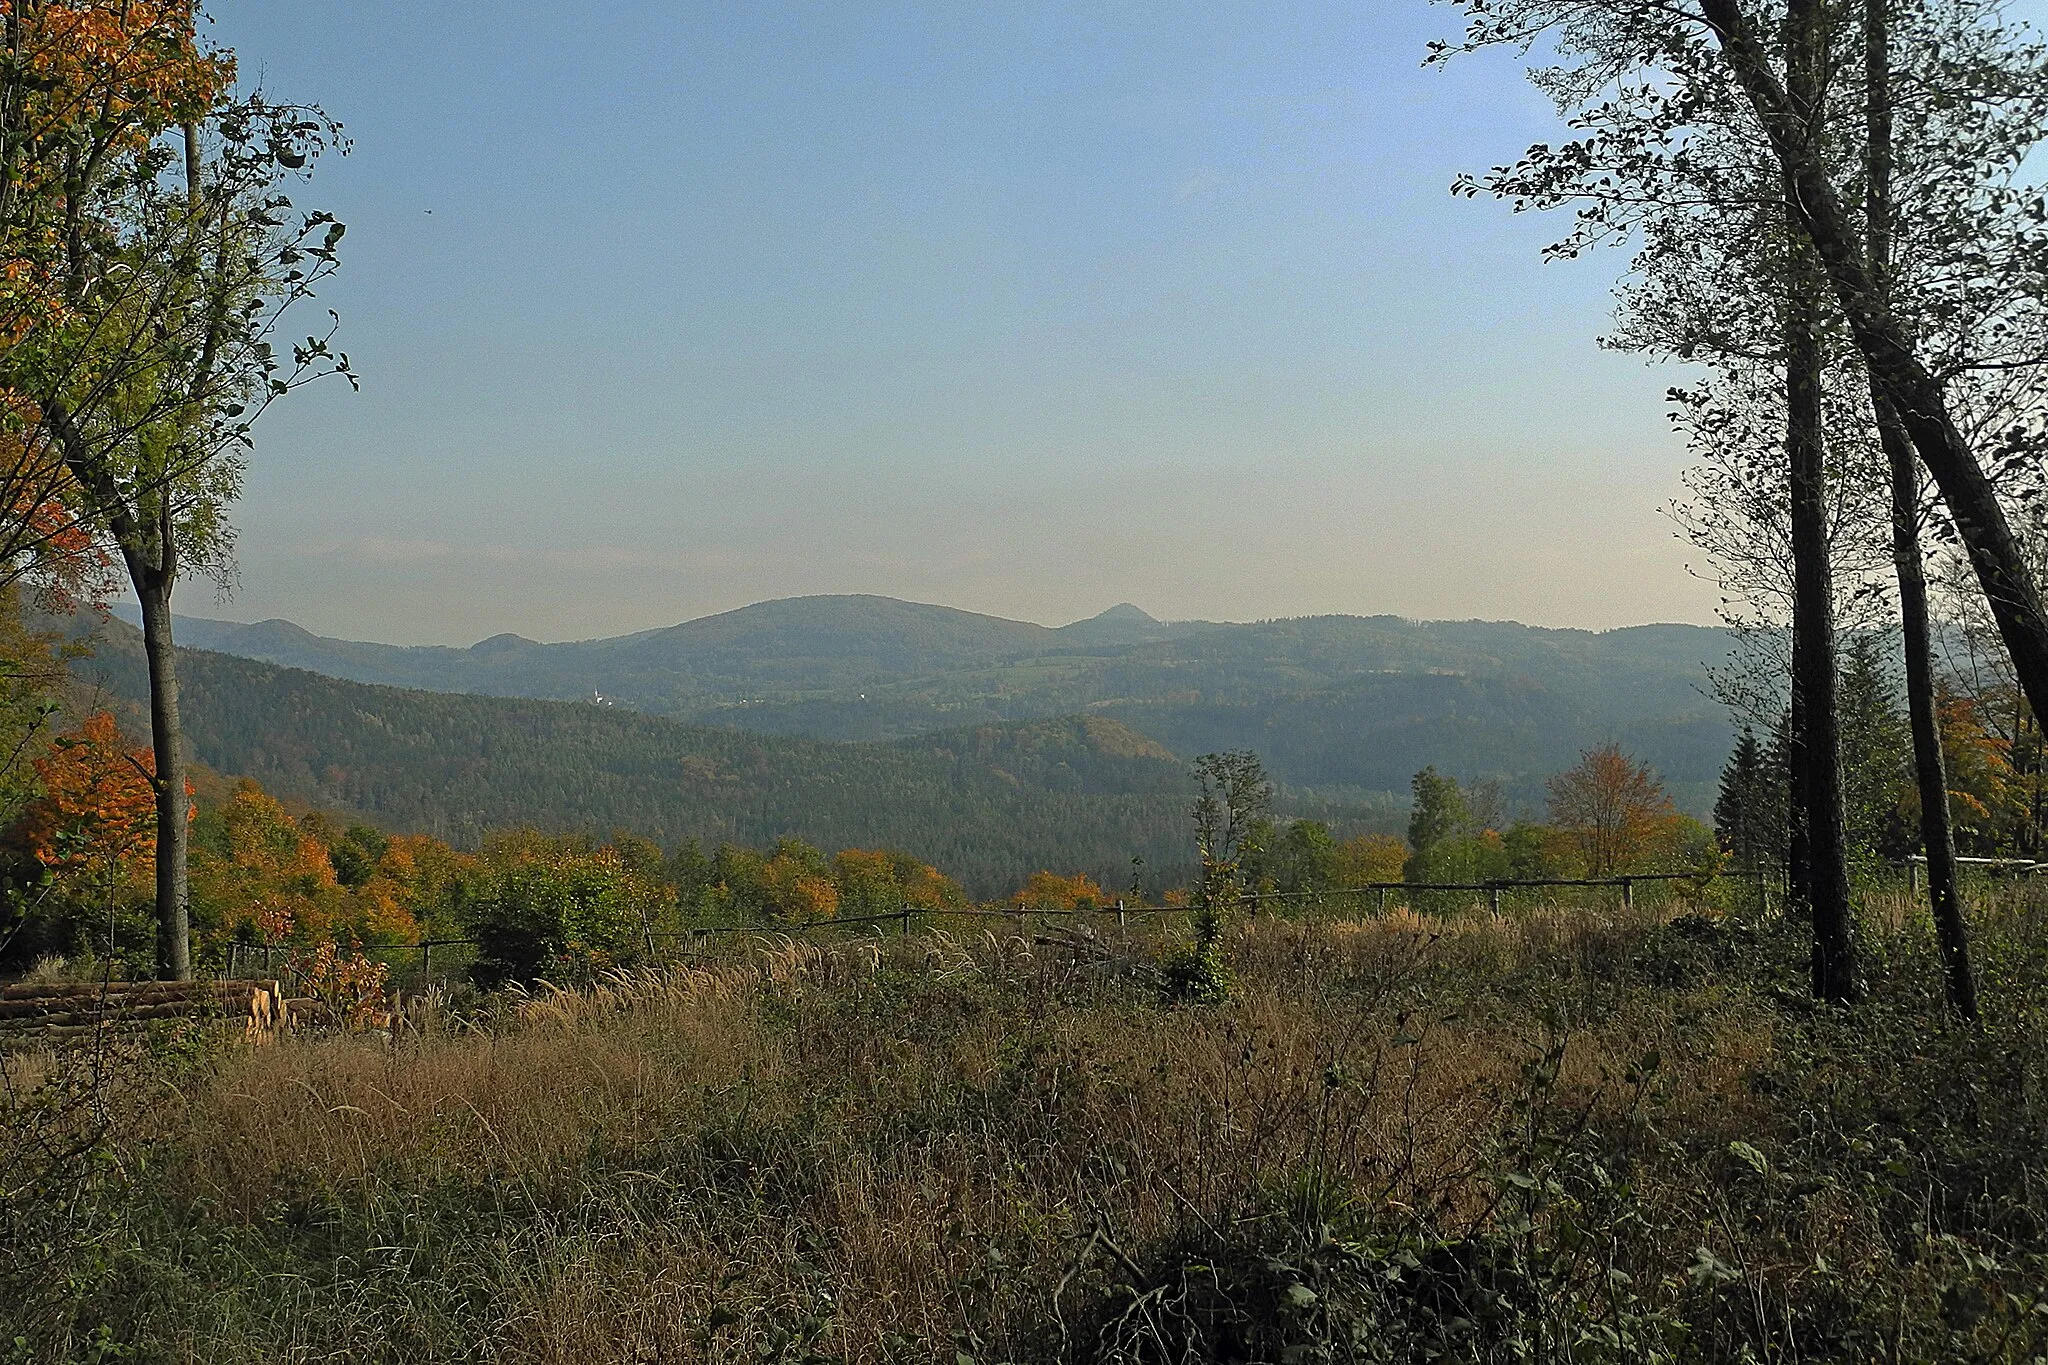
(900, 1150)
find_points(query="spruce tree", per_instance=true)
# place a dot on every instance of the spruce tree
(1876, 754)
(1747, 810)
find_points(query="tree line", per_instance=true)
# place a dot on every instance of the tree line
(1996, 786)
(79, 865)
(1607, 815)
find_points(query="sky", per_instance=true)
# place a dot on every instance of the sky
(663, 308)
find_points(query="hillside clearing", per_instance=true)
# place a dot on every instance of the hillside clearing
(1567, 1136)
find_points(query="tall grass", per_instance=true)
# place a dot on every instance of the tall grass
(1562, 1135)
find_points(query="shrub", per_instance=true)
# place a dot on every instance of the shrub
(563, 913)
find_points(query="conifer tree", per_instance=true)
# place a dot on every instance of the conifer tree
(1747, 815)
(1875, 753)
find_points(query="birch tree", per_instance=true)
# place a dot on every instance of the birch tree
(1679, 143)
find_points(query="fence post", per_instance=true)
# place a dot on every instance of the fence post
(1119, 912)
(266, 960)
(426, 962)
(1628, 894)
(233, 952)
(1913, 877)
(1493, 897)
(1380, 901)
(906, 920)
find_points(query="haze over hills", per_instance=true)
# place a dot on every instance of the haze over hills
(1346, 705)
(795, 646)
(989, 804)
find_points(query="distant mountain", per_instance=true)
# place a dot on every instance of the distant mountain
(989, 804)
(1341, 704)
(1124, 624)
(794, 646)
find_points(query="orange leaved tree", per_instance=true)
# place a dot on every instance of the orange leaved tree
(91, 828)
(96, 814)
(881, 882)
(1050, 891)
(1613, 809)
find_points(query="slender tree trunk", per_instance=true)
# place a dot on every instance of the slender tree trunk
(1818, 775)
(1798, 855)
(167, 737)
(149, 550)
(1915, 394)
(2034, 821)
(1937, 832)
(1814, 673)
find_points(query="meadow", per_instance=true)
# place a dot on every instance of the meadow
(1568, 1134)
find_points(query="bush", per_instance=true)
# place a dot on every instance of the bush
(558, 912)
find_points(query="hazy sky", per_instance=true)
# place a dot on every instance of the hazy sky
(662, 308)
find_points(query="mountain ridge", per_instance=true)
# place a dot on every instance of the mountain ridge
(1122, 614)
(1339, 703)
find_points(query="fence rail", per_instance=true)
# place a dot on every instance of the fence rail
(2017, 866)
(902, 916)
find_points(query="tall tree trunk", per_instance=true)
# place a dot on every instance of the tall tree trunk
(1937, 832)
(1814, 673)
(1915, 394)
(1930, 771)
(1818, 774)
(1798, 855)
(149, 551)
(167, 737)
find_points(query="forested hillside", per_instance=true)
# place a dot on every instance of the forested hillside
(990, 804)
(1346, 704)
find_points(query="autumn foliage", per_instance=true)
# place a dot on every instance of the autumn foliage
(97, 812)
(91, 81)
(880, 882)
(797, 890)
(794, 883)
(1370, 858)
(1050, 891)
(88, 84)
(273, 880)
(1613, 810)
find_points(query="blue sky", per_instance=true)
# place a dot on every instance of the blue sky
(666, 308)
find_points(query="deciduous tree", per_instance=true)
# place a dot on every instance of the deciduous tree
(1662, 92)
(153, 258)
(1050, 891)
(96, 812)
(1614, 809)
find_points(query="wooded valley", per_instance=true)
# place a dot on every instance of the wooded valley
(848, 979)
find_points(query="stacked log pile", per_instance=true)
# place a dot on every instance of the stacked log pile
(64, 1009)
